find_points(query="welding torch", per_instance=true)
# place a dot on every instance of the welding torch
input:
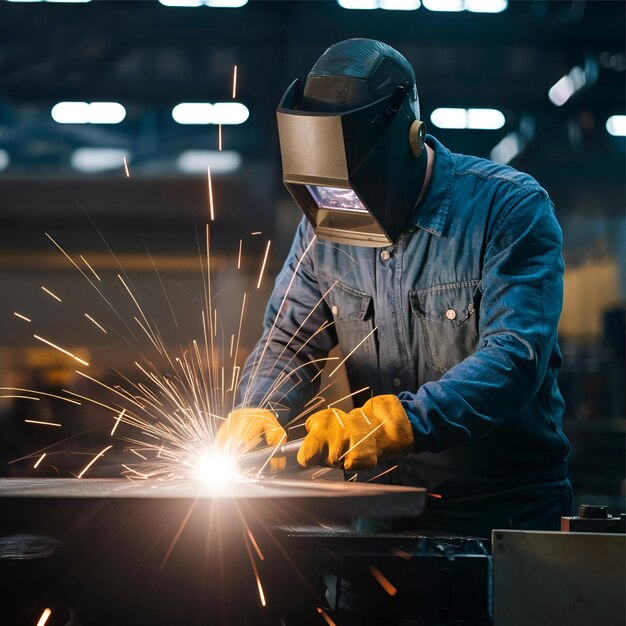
(259, 460)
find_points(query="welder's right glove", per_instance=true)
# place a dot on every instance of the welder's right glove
(245, 429)
(358, 440)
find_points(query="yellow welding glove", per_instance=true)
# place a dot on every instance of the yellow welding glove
(358, 440)
(246, 429)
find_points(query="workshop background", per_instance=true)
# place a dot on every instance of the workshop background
(536, 84)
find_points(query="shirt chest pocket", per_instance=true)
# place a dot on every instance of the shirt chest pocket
(352, 314)
(446, 317)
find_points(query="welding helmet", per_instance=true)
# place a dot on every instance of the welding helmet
(352, 143)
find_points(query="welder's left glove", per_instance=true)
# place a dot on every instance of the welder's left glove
(358, 440)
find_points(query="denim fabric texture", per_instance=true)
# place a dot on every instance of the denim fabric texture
(458, 319)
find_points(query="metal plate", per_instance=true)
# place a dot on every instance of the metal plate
(165, 552)
(320, 496)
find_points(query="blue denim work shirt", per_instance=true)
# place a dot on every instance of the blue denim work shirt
(458, 318)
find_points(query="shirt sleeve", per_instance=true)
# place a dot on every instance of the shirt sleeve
(522, 295)
(281, 372)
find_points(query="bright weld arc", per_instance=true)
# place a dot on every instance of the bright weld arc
(234, 82)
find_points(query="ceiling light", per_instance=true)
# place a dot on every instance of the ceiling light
(229, 113)
(473, 119)
(224, 4)
(506, 149)
(400, 5)
(444, 5)
(485, 119)
(192, 113)
(202, 113)
(616, 125)
(197, 161)
(358, 4)
(567, 86)
(95, 160)
(88, 113)
(4, 160)
(390, 5)
(449, 118)
(486, 6)
(59, 1)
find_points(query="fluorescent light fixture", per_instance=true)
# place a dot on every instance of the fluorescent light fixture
(106, 113)
(485, 119)
(202, 113)
(223, 4)
(358, 4)
(4, 160)
(390, 5)
(472, 119)
(192, 113)
(88, 113)
(96, 160)
(58, 1)
(449, 118)
(197, 161)
(444, 5)
(474, 6)
(567, 86)
(506, 149)
(486, 6)
(70, 113)
(400, 5)
(229, 113)
(616, 125)
(181, 3)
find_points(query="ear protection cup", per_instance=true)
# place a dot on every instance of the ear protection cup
(417, 137)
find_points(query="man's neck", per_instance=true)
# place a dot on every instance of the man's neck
(429, 171)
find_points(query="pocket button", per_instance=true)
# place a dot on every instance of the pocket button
(397, 382)
(384, 255)
(334, 310)
(450, 314)
(470, 308)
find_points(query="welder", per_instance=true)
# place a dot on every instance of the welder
(440, 275)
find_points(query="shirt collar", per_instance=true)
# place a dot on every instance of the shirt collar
(430, 214)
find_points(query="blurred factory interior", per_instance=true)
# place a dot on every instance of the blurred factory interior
(98, 150)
